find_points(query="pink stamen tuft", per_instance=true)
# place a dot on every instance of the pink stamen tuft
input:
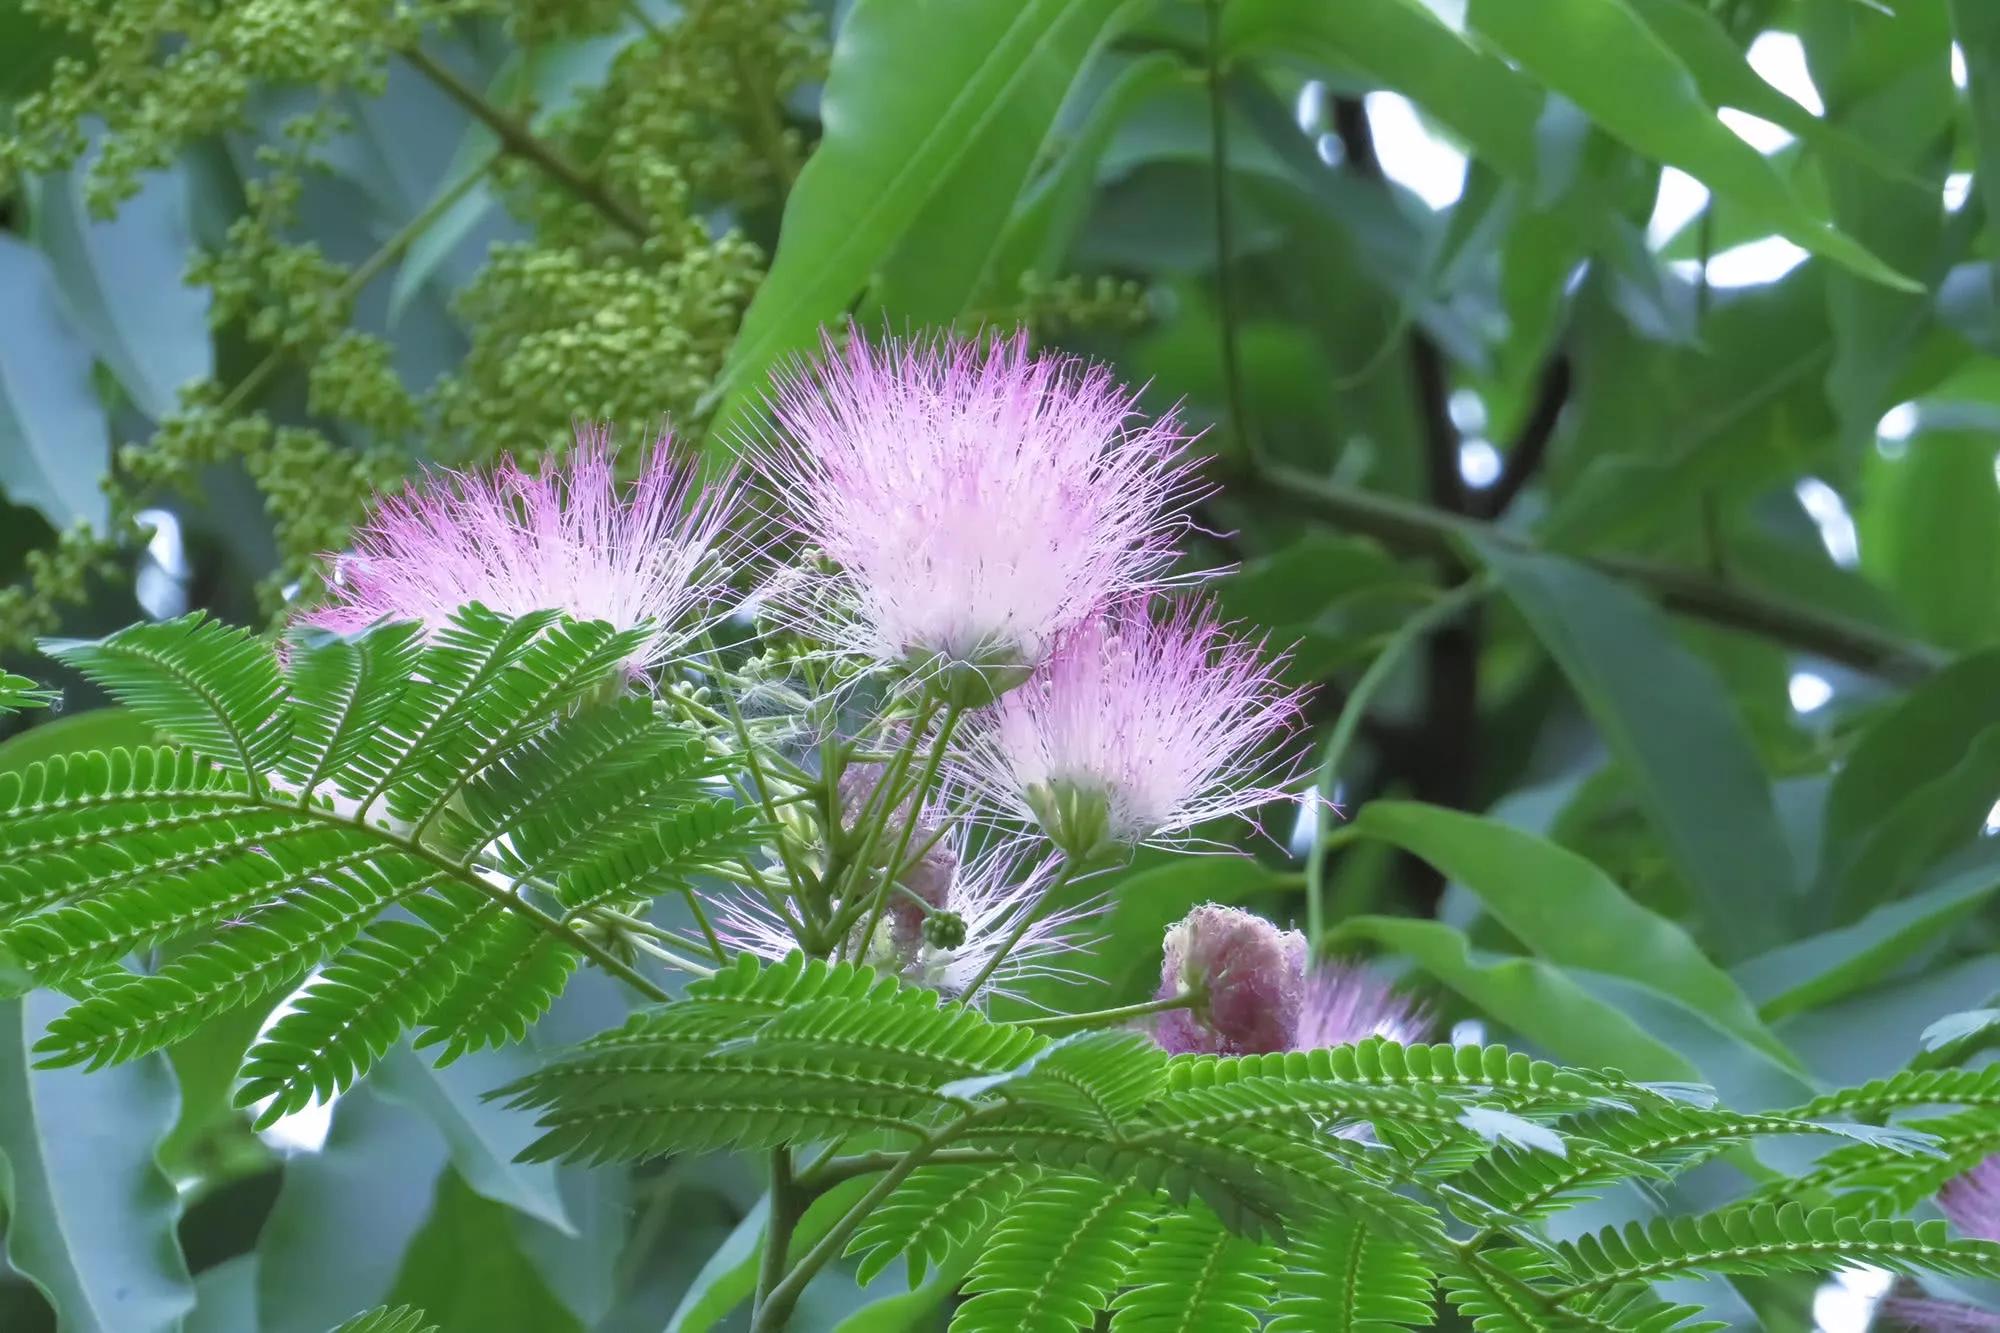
(566, 538)
(974, 500)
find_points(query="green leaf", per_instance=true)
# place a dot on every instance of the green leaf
(98, 729)
(1344, 1279)
(1929, 526)
(1403, 45)
(912, 94)
(1924, 733)
(1568, 911)
(55, 441)
(1668, 720)
(1045, 223)
(337, 1236)
(1954, 1028)
(730, 1275)
(122, 280)
(466, 1269)
(1194, 1273)
(483, 1136)
(1976, 25)
(1531, 997)
(1601, 56)
(90, 1217)
(1820, 969)
(390, 1319)
(1056, 1258)
(211, 685)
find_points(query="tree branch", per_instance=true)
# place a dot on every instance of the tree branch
(519, 140)
(1531, 446)
(1420, 530)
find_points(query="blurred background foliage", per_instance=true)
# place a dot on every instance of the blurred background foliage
(1601, 394)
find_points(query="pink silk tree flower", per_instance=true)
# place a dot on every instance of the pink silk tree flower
(1248, 977)
(1137, 729)
(961, 910)
(1934, 1316)
(1345, 1003)
(971, 501)
(566, 538)
(1972, 1200)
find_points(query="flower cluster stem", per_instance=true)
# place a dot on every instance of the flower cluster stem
(1104, 1018)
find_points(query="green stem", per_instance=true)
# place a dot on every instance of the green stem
(1041, 909)
(832, 1172)
(787, 1204)
(1419, 529)
(775, 1311)
(756, 767)
(877, 811)
(672, 959)
(1447, 606)
(522, 142)
(1104, 1018)
(893, 867)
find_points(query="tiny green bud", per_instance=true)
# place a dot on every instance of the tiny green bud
(944, 930)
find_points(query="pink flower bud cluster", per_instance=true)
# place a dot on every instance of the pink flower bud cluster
(1253, 992)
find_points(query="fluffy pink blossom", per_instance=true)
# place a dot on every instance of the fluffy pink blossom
(1249, 974)
(1259, 994)
(1346, 1003)
(1137, 728)
(1972, 1200)
(1935, 1316)
(565, 538)
(972, 500)
(986, 895)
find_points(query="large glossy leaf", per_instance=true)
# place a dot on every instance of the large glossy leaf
(1822, 968)
(121, 279)
(1976, 25)
(90, 1217)
(1527, 996)
(1569, 912)
(912, 92)
(729, 1278)
(55, 443)
(1038, 236)
(1912, 743)
(1603, 57)
(1929, 521)
(1664, 714)
(1405, 46)
(336, 1240)
(484, 1137)
(465, 1269)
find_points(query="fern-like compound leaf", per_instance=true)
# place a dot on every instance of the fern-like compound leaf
(936, 1210)
(213, 686)
(1057, 1257)
(1342, 1278)
(1195, 1275)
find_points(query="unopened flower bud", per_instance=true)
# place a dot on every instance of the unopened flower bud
(1248, 977)
(944, 930)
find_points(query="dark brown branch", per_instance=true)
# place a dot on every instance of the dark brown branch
(1420, 530)
(1531, 446)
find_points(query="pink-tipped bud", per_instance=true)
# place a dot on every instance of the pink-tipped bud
(1248, 977)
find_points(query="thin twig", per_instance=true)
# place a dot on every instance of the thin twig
(521, 141)
(1225, 246)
